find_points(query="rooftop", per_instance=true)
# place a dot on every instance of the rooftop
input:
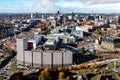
(50, 42)
(112, 39)
(35, 37)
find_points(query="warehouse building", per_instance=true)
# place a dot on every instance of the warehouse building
(42, 58)
(51, 44)
(34, 41)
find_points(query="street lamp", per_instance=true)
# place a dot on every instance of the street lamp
(114, 65)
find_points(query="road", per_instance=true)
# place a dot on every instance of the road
(5, 70)
(108, 61)
(5, 67)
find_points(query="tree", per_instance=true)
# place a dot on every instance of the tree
(40, 69)
(82, 51)
(61, 68)
(97, 31)
(86, 66)
(68, 78)
(47, 69)
(85, 76)
(1, 77)
(93, 66)
(70, 68)
(118, 34)
(105, 34)
(61, 75)
(80, 66)
(42, 48)
(94, 73)
(43, 76)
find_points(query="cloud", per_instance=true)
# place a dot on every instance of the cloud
(47, 1)
(99, 1)
(53, 6)
(87, 1)
(42, 6)
(72, 5)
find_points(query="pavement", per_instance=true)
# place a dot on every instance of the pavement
(5, 71)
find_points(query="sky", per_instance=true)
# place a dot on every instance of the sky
(65, 6)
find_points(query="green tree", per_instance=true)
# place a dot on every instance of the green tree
(1, 77)
(97, 31)
(82, 51)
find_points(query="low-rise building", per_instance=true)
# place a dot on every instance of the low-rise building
(111, 42)
(78, 34)
(34, 41)
(51, 44)
(68, 39)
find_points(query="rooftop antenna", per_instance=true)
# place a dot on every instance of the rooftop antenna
(31, 16)
(21, 34)
(60, 10)
(91, 13)
(23, 16)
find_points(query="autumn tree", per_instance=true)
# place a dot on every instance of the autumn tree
(86, 66)
(47, 69)
(43, 75)
(68, 78)
(85, 76)
(61, 68)
(61, 75)
(80, 66)
(97, 31)
(70, 68)
(40, 69)
(93, 66)
(118, 34)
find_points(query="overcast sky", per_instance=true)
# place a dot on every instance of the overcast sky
(48, 6)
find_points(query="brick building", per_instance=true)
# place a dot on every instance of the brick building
(111, 42)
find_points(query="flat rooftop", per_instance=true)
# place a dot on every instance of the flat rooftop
(111, 39)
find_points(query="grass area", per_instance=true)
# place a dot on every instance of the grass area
(112, 65)
(94, 78)
(13, 67)
(1, 77)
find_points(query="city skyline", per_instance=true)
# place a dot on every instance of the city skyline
(66, 6)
